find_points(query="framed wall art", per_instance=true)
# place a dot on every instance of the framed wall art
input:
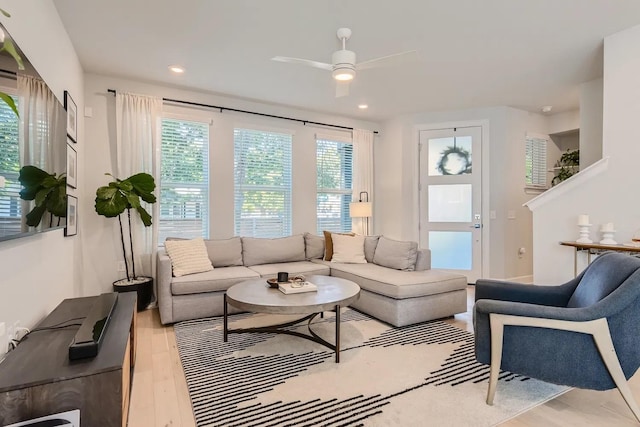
(72, 116)
(72, 165)
(72, 216)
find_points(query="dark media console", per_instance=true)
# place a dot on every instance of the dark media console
(39, 379)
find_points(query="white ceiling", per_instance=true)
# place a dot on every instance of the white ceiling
(473, 53)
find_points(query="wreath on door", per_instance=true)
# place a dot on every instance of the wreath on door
(454, 161)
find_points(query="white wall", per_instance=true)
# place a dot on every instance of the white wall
(609, 196)
(38, 272)
(396, 186)
(563, 122)
(591, 114)
(102, 245)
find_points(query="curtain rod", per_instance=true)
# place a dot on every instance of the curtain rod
(216, 107)
(13, 74)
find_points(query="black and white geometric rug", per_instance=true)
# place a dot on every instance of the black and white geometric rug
(418, 375)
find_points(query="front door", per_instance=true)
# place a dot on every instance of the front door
(450, 199)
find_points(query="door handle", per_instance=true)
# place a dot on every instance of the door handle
(476, 226)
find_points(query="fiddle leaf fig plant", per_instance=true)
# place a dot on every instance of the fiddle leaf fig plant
(10, 48)
(49, 191)
(120, 195)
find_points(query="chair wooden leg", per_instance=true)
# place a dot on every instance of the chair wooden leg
(602, 337)
(497, 332)
(598, 328)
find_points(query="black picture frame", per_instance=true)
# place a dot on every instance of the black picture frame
(72, 117)
(72, 216)
(72, 166)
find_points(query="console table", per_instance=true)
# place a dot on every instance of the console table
(38, 379)
(594, 249)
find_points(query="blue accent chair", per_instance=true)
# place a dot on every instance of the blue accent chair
(584, 333)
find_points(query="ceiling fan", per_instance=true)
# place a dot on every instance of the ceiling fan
(343, 65)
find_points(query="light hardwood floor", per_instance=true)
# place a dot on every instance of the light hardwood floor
(159, 396)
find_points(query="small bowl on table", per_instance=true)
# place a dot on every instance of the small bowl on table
(273, 282)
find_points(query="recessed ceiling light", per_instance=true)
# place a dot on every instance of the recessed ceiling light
(363, 106)
(547, 108)
(176, 69)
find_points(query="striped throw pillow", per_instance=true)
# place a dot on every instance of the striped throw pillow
(188, 256)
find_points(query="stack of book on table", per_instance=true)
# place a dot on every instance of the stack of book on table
(296, 287)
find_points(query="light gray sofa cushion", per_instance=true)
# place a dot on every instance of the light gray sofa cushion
(396, 254)
(370, 243)
(306, 268)
(314, 246)
(398, 284)
(218, 279)
(225, 252)
(256, 251)
(423, 260)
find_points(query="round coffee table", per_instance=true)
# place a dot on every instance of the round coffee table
(256, 296)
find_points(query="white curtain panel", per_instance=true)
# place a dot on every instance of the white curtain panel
(37, 105)
(137, 144)
(362, 172)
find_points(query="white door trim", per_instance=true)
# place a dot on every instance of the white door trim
(485, 176)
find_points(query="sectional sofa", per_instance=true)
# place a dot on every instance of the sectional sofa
(397, 284)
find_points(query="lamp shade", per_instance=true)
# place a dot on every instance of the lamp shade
(360, 209)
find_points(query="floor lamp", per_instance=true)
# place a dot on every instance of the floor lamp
(361, 209)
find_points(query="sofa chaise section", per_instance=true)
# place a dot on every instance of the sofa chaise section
(405, 297)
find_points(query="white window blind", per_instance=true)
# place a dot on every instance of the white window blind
(262, 170)
(184, 180)
(334, 168)
(536, 162)
(10, 203)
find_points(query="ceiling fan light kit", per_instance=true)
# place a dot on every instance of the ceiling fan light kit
(343, 65)
(343, 62)
(343, 74)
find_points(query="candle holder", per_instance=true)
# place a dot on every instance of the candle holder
(607, 237)
(584, 233)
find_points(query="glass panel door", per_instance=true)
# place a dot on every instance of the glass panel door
(450, 199)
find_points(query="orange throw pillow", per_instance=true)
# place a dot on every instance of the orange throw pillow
(328, 244)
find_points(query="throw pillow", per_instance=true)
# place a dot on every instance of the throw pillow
(314, 246)
(328, 244)
(396, 254)
(261, 250)
(348, 249)
(225, 252)
(188, 256)
(370, 243)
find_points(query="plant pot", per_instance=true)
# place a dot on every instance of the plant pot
(143, 285)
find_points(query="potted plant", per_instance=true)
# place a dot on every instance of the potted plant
(49, 192)
(10, 48)
(111, 201)
(566, 167)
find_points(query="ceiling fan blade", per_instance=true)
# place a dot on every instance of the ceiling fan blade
(307, 62)
(342, 89)
(387, 61)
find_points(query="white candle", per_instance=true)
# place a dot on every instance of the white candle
(607, 227)
(583, 219)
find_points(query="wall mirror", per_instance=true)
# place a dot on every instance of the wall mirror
(35, 139)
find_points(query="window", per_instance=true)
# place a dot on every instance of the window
(10, 204)
(334, 167)
(262, 178)
(184, 180)
(536, 162)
